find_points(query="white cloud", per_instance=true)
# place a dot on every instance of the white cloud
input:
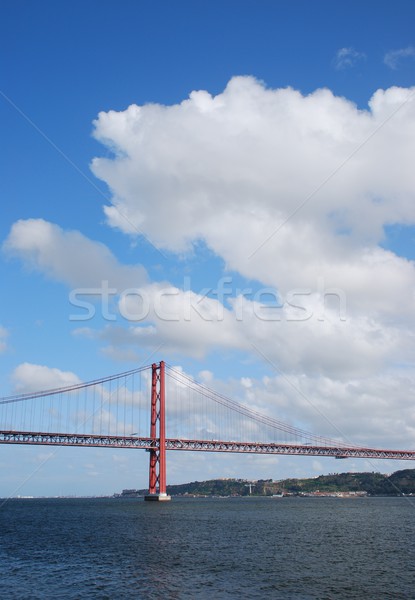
(357, 346)
(294, 191)
(347, 57)
(3, 336)
(232, 169)
(69, 256)
(358, 326)
(394, 57)
(365, 411)
(28, 377)
(360, 411)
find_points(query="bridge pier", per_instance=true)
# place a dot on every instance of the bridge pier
(157, 469)
(157, 497)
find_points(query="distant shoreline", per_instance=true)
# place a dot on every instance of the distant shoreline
(334, 485)
(338, 485)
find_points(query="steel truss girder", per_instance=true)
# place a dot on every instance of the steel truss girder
(147, 443)
(292, 449)
(74, 439)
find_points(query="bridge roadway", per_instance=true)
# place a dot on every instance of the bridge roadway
(148, 443)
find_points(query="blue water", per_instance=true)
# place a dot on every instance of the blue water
(290, 548)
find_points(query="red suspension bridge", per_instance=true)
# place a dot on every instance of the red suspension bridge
(114, 412)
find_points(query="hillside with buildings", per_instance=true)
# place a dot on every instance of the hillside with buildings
(340, 484)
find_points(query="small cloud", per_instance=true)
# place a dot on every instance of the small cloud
(392, 58)
(347, 58)
(28, 377)
(246, 382)
(206, 376)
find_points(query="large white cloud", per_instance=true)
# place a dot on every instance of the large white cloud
(185, 171)
(28, 377)
(294, 191)
(287, 189)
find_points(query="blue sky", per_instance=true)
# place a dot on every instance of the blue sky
(64, 64)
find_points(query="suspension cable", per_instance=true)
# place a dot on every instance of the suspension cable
(69, 388)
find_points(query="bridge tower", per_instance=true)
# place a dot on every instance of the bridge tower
(157, 470)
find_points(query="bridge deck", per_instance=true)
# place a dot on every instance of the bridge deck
(148, 443)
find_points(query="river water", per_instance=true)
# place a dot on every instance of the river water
(288, 548)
